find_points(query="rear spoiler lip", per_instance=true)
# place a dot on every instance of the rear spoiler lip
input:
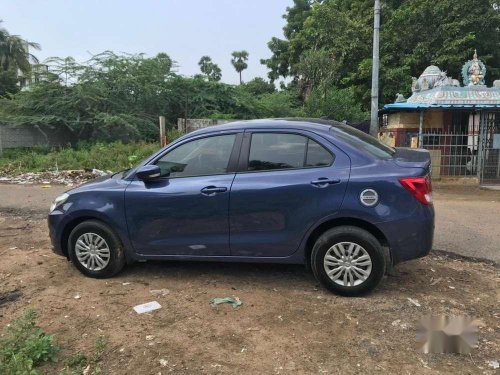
(412, 158)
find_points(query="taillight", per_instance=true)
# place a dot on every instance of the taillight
(419, 187)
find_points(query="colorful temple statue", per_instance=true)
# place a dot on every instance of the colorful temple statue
(473, 72)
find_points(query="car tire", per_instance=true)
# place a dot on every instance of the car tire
(352, 257)
(96, 250)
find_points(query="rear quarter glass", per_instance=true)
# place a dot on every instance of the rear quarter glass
(362, 141)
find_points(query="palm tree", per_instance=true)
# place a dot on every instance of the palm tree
(239, 61)
(210, 69)
(14, 52)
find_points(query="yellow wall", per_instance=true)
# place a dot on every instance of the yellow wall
(433, 119)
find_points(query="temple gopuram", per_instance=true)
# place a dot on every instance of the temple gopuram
(459, 123)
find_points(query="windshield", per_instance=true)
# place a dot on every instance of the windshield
(362, 141)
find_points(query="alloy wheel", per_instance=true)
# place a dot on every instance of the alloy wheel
(347, 264)
(92, 251)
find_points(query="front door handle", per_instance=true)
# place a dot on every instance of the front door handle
(212, 190)
(324, 182)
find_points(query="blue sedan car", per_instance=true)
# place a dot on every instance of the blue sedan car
(294, 191)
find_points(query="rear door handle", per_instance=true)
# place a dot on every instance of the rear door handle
(324, 182)
(212, 190)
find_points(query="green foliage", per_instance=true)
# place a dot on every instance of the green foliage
(112, 156)
(8, 82)
(172, 134)
(79, 362)
(112, 97)
(258, 86)
(335, 104)
(25, 346)
(285, 57)
(210, 69)
(119, 97)
(279, 104)
(329, 43)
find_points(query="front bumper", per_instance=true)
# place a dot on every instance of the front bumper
(55, 222)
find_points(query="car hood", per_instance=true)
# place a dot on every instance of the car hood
(110, 181)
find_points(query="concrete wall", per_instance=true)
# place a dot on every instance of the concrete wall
(28, 136)
(192, 124)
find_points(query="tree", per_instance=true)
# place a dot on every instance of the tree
(210, 69)
(331, 40)
(334, 104)
(14, 52)
(258, 86)
(283, 57)
(8, 82)
(239, 61)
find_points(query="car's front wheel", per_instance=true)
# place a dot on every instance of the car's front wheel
(348, 261)
(95, 249)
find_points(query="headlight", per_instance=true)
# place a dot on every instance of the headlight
(58, 201)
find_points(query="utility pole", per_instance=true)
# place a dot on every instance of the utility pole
(375, 70)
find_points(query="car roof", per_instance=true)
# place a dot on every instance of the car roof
(318, 125)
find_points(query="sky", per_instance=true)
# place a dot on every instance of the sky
(184, 29)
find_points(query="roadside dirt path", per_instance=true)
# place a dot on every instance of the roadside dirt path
(468, 221)
(287, 324)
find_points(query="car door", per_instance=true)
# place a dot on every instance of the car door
(185, 212)
(286, 182)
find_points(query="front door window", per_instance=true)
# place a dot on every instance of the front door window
(202, 157)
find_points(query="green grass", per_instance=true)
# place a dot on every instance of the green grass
(76, 364)
(112, 156)
(25, 346)
(86, 155)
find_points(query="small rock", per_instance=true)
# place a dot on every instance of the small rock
(493, 364)
(163, 362)
(160, 292)
(414, 302)
(436, 281)
(397, 323)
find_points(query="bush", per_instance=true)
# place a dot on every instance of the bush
(336, 104)
(111, 156)
(25, 346)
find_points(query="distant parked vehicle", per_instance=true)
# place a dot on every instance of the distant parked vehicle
(269, 191)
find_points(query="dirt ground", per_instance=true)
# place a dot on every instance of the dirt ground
(287, 324)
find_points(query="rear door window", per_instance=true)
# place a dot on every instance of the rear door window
(275, 151)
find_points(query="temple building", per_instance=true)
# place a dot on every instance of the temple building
(458, 123)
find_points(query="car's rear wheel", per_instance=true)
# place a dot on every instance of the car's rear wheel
(95, 249)
(348, 261)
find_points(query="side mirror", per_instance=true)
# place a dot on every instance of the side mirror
(148, 172)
